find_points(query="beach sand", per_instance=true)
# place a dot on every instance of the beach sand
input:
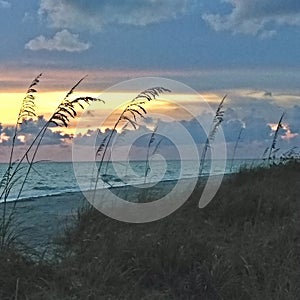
(41, 219)
(38, 221)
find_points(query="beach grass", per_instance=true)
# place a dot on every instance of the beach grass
(20, 167)
(243, 245)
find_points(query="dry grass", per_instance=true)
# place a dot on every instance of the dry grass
(19, 167)
(216, 123)
(225, 251)
(134, 109)
(272, 150)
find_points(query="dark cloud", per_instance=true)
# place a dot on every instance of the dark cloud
(232, 129)
(90, 137)
(195, 129)
(256, 129)
(256, 124)
(29, 130)
(293, 116)
(256, 17)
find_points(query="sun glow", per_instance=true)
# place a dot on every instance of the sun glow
(115, 102)
(288, 133)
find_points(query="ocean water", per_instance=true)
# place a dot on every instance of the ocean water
(49, 178)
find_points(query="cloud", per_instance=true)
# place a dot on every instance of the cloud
(237, 115)
(293, 115)
(256, 17)
(4, 4)
(94, 14)
(255, 112)
(28, 131)
(62, 41)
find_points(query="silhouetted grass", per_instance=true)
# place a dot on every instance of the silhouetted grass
(12, 174)
(272, 150)
(132, 111)
(235, 147)
(228, 250)
(216, 123)
(19, 167)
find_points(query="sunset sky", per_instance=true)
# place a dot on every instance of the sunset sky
(248, 49)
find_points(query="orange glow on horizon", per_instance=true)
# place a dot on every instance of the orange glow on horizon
(47, 102)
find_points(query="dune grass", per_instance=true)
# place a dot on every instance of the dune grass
(19, 167)
(228, 250)
(216, 123)
(129, 116)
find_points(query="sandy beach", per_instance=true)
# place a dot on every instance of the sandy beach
(41, 219)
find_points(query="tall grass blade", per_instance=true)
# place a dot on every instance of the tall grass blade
(272, 149)
(135, 108)
(235, 148)
(217, 120)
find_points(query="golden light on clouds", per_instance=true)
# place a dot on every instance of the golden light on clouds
(46, 103)
(54, 84)
(288, 133)
(165, 107)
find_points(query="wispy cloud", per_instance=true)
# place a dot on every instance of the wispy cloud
(78, 14)
(256, 17)
(61, 41)
(4, 4)
(282, 83)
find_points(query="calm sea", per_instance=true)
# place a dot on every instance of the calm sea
(49, 178)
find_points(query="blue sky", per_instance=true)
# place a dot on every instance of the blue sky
(246, 48)
(150, 35)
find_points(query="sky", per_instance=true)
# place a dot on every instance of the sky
(248, 49)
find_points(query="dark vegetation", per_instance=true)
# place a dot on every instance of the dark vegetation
(243, 245)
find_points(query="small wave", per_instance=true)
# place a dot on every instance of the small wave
(49, 194)
(44, 188)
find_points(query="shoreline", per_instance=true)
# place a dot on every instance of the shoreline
(42, 219)
(66, 193)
